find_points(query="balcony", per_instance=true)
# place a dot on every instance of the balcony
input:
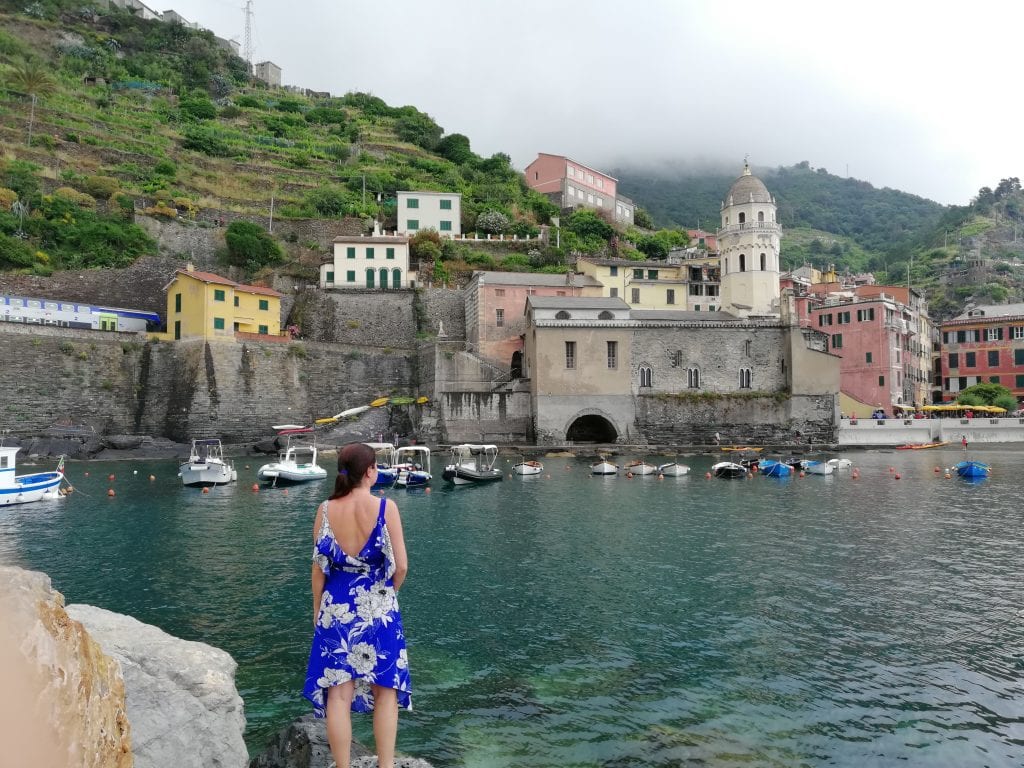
(751, 226)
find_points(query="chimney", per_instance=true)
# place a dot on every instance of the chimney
(190, 267)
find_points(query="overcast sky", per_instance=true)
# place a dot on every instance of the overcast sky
(918, 96)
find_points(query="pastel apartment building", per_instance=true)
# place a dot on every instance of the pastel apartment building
(440, 211)
(985, 344)
(369, 262)
(570, 184)
(206, 305)
(661, 285)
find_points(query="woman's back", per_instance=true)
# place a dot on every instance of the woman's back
(352, 520)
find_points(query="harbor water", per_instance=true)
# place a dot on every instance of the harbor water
(573, 620)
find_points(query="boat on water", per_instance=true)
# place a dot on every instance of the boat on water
(728, 469)
(773, 468)
(673, 469)
(972, 470)
(604, 467)
(921, 446)
(21, 489)
(814, 467)
(206, 465)
(472, 464)
(387, 472)
(413, 464)
(528, 468)
(295, 464)
(640, 467)
(840, 463)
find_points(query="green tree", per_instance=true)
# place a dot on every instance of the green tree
(32, 78)
(455, 147)
(988, 393)
(250, 247)
(643, 219)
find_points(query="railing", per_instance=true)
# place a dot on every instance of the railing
(245, 336)
(768, 226)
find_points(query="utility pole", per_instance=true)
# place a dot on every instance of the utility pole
(364, 189)
(247, 46)
(271, 228)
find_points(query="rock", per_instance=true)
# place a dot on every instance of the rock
(122, 442)
(181, 698)
(63, 700)
(303, 744)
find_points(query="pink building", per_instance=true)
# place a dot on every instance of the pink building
(570, 184)
(700, 238)
(495, 302)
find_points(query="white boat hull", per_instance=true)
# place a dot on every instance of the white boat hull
(840, 463)
(526, 468)
(641, 469)
(283, 473)
(27, 488)
(673, 470)
(819, 468)
(604, 468)
(210, 473)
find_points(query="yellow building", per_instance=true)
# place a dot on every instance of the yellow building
(690, 285)
(202, 304)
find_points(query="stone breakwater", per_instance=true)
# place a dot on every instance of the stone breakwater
(90, 688)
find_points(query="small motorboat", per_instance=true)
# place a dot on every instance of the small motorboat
(21, 489)
(728, 469)
(472, 464)
(972, 470)
(812, 467)
(527, 468)
(206, 465)
(639, 467)
(772, 468)
(840, 463)
(413, 465)
(387, 472)
(673, 469)
(290, 466)
(604, 467)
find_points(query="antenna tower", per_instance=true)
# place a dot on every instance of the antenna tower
(247, 47)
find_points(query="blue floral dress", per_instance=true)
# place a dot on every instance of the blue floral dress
(358, 634)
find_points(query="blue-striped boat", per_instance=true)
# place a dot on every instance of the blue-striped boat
(21, 489)
(772, 468)
(972, 470)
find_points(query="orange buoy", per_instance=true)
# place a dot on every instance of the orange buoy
(206, 490)
(707, 475)
(629, 475)
(285, 491)
(255, 487)
(937, 469)
(427, 490)
(948, 475)
(110, 478)
(86, 474)
(110, 492)
(661, 476)
(892, 469)
(896, 476)
(802, 473)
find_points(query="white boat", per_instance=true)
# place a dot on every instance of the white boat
(295, 464)
(840, 463)
(673, 469)
(532, 467)
(21, 489)
(604, 468)
(472, 464)
(206, 465)
(818, 468)
(728, 469)
(640, 468)
(387, 472)
(413, 464)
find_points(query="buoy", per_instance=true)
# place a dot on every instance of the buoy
(629, 475)
(937, 469)
(510, 474)
(110, 478)
(427, 490)
(661, 476)
(206, 490)
(547, 477)
(152, 478)
(285, 491)
(897, 476)
(255, 487)
(855, 474)
(707, 475)
(892, 469)
(246, 466)
(948, 475)
(86, 474)
(110, 492)
(802, 473)
(135, 471)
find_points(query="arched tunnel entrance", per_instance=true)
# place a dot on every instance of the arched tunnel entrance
(591, 429)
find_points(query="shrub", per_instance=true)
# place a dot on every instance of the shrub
(44, 140)
(230, 112)
(7, 198)
(326, 201)
(165, 168)
(492, 222)
(101, 186)
(15, 253)
(205, 141)
(80, 199)
(197, 107)
(326, 115)
(288, 105)
(250, 247)
(425, 240)
(245, 100)
(71, 138)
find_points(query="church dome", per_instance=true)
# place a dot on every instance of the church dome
(748, 189)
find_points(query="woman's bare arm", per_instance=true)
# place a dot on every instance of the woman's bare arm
(394, 523)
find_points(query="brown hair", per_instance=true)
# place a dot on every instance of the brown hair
(353, 461)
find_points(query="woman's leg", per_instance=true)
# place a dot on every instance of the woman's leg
(339, 722)
(385, 724)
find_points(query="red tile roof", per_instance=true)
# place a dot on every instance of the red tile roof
(210, 277)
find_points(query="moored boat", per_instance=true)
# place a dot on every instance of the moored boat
(813, 467)
(21, 489)
(292, 465)
(840, 463)
(740, 448)
(206, 465)
(921, 446)
(387, 472)
(673, 469)
(972, 470)
(728, 469)
(472, 464)
(604, 467)
(413, 465)
(639, 467)
(772, 468)
(528, 468)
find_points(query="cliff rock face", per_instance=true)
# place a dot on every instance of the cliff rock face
(181, 698)
(63, 700)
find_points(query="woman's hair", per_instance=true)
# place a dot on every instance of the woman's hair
(353, 461)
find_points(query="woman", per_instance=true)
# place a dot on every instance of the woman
(358, 660)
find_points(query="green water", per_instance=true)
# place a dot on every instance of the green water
(578, 621)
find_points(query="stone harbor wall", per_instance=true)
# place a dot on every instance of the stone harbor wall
(63, 699)
(181, 698)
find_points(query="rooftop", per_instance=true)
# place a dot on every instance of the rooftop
(576, 302)
(534, 278)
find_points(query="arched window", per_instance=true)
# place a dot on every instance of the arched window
(645, 375)
(743, 217)
(760, 216)
(744, 378)
(384, 278)
(605, 315)
(396, 278)
(370, 277)
(743, 262)
(726, 270)
(764, 262)
(562, 315)
(693, 378)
